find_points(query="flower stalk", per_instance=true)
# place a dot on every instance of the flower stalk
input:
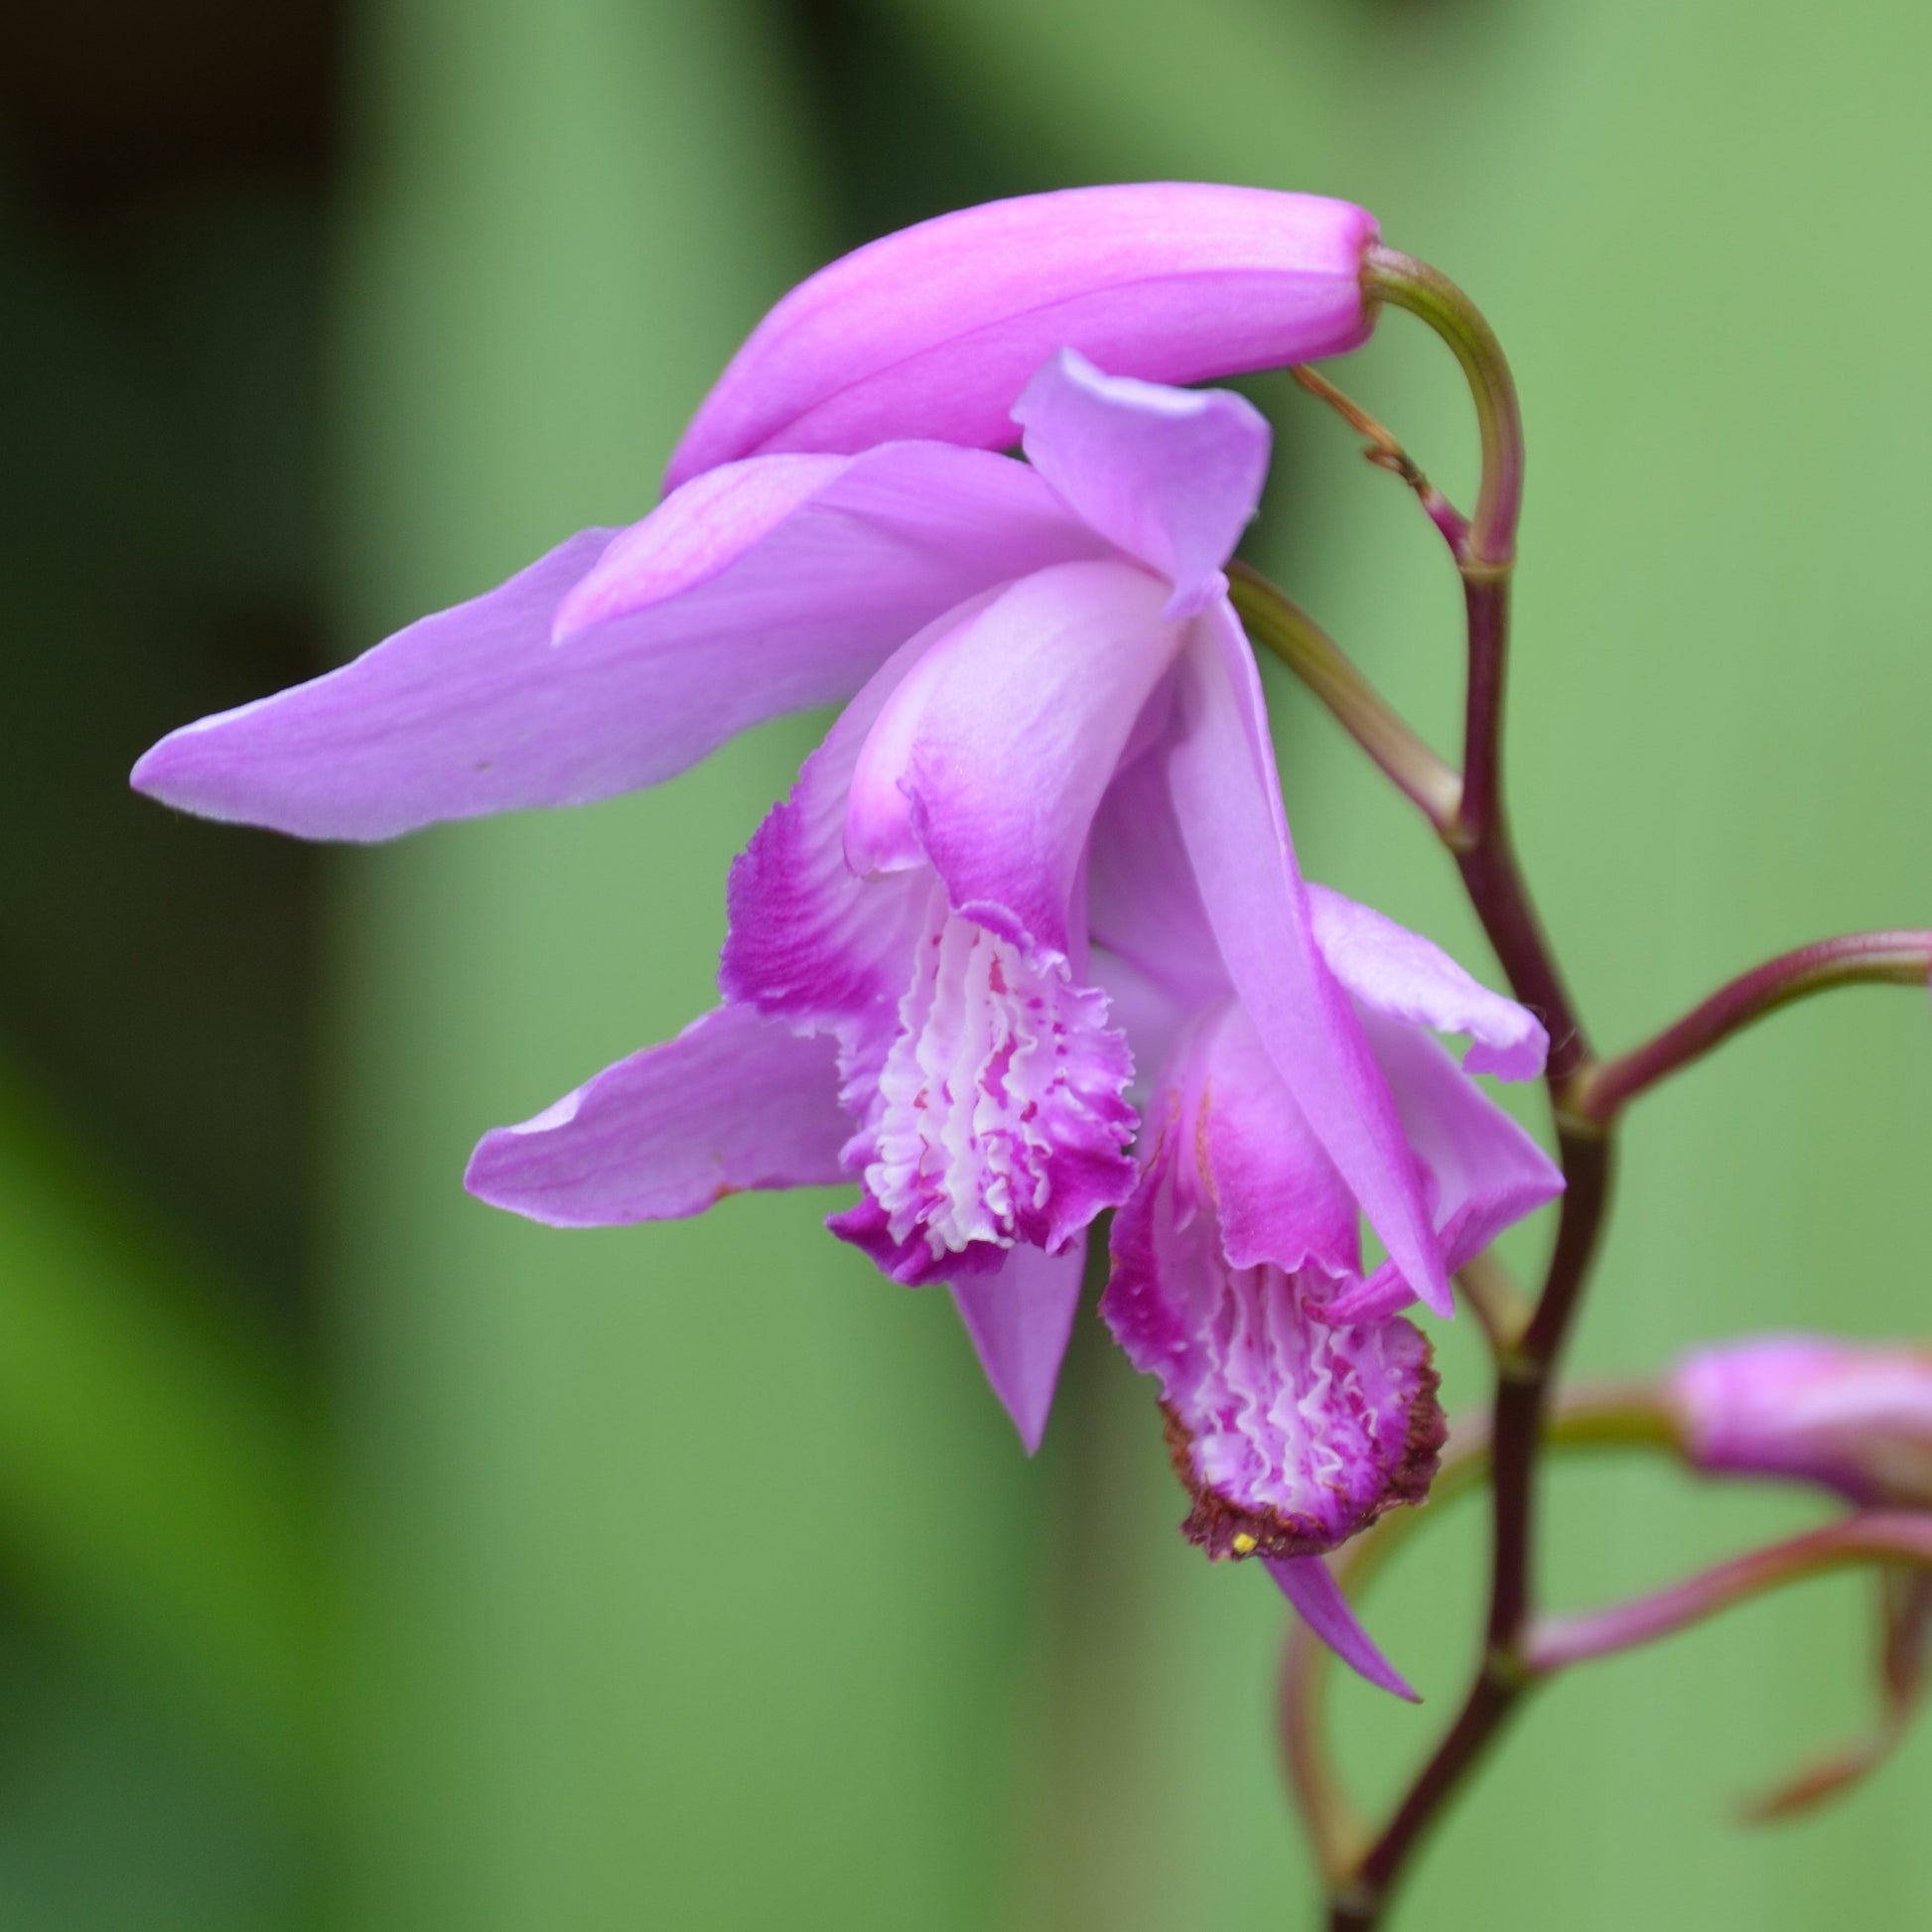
(1900, 958)
(1467, 810)
(1477, 833)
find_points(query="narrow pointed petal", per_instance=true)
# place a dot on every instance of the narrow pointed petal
(1172, 476)
(992, 757)
(1308, 1583)
(1020, 1319)
(733, 1102)
(1227, 797)
(934, 331)
(1402, 974)
(1486, 1173)
(781, 587)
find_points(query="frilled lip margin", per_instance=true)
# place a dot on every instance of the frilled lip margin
(1229, 1531)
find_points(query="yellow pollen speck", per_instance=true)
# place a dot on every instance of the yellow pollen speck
(1242, 1543)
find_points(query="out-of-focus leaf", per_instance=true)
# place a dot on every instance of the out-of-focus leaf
(156, 1486)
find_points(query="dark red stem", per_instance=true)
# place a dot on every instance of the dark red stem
(1902, 958)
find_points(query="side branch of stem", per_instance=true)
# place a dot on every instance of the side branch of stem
(1874, 1535)
(1896, 958)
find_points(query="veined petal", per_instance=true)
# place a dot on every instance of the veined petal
(1171, 476)
(783, 586)
(988, 1088)
(992, 757)
(1309, 1586)
(733, 1102)
(999, 1117)
(1020, 1317)
(1402, 974)
(1227, 799)
(809, 939)
(934, 331)
(1290, 1429)
(1485, 1174)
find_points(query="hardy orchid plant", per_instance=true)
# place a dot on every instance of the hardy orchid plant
(1027, 960)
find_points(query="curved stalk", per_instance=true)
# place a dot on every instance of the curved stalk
(1900, 958)
(1882, 1536)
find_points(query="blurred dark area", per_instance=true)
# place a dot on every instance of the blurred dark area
(168, 174)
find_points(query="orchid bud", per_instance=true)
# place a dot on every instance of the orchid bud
(1856, 1418)
(936, 331)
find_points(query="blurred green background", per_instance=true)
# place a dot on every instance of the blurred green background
(371, 1561)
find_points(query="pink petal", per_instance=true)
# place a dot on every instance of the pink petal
(936, 329)
(1020, 1319)
(781, 587)
(1171, 476)
(1291, 1431)
(992, 757)
(1400, 973)
(733, 1102)
(1228, 800)
(999, 1116)
(1309, 1586)
(808, 938)
(1276, 1192)
(1485, 1174)
(1144, 903)
(987, 1086)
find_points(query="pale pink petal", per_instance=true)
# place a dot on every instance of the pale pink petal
(1228, 800)
(782, 587)
(1309, 1586)
(1020, 1317)
(992, 754)
(1400, 973)
(1171, 476)
(1144, 903)
(934, 331)
(733, 1102)
(1486, 1173)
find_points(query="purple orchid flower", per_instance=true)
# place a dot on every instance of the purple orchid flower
(1043, 844)
(933, 331)
(1851, 1418)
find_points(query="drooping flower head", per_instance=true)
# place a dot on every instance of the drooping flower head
(936, 331)
(1036, 878)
